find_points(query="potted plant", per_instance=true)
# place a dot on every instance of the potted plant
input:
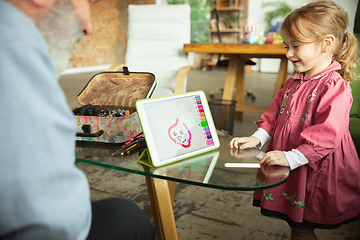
(280, 10)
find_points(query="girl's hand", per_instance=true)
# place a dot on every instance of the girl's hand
(275, 158)
(246, 142)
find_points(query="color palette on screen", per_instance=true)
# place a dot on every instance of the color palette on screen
(203, 122)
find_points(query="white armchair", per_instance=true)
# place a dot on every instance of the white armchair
(156, 35)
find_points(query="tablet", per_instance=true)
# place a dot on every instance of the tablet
(177, 127)
(195, 169)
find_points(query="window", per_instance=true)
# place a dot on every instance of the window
(200, 15)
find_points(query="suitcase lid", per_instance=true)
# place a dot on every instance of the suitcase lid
(121, 89)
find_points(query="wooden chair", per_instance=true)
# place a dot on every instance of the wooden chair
(156, 35)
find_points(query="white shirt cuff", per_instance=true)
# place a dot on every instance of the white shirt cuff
(295, 158)
(262, 135)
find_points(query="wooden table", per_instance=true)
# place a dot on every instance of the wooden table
(236, 70)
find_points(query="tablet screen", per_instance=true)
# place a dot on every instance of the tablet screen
(178, 126)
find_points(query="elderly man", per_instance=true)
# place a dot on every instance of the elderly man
(42, 193)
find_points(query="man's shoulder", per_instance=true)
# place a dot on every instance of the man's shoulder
(15, 26)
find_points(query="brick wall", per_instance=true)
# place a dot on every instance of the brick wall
(107, 43)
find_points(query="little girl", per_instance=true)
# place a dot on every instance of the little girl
(306, 125)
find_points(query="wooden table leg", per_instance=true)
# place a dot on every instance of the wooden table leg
(281, 76)
(172, 190)
(161, 191)
(235, 75)
(153, 202)
(240, 79)
(231, 77)
(165, 206)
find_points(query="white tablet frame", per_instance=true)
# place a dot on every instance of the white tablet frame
(155, 161)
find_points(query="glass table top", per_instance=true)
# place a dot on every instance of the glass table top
(224, 168)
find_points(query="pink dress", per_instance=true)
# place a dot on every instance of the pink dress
(312, 115)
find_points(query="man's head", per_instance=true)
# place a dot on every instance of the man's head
(62, 26)
(62, 23)
(32, 8)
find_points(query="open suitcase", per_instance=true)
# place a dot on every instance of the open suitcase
(112, 94)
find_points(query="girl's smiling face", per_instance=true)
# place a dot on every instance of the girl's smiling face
(309, 58)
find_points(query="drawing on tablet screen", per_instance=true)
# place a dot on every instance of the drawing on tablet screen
(180, 134)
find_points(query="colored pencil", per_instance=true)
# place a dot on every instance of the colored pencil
(129, 148)
(134, 138)
(133, 149)
(123, 148)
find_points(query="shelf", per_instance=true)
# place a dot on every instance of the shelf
(228, 9)
(230, 16)
(230, 30)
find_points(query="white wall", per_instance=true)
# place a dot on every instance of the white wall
(256, 17)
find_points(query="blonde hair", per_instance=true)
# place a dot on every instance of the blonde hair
(314, 21)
